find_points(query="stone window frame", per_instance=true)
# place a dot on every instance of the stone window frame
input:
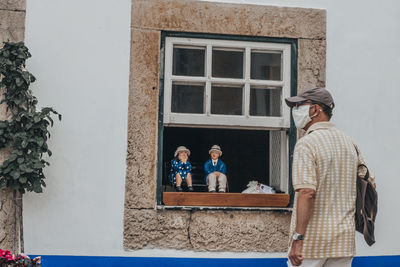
(144, 225)
(288, 134)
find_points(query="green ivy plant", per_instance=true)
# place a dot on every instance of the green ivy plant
(25, 131)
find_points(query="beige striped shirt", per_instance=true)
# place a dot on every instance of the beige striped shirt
(325, 160)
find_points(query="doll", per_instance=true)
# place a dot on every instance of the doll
(181, 169)
(215, 170)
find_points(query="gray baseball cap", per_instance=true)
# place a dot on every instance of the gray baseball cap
(317, 94)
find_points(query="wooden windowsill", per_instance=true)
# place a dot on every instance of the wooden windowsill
(225, 199)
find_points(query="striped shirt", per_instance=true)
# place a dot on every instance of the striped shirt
(325, 160)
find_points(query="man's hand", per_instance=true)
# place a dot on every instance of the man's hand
(295, 255)
(217, 173)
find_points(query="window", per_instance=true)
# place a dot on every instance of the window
(231, 93)
(226, 83)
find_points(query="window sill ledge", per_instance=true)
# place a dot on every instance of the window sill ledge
(224, 200)
(204, 208)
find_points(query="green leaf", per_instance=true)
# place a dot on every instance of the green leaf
(12, 157)
(24, 143)
(15, 174)
(38, 165)
(5, 164)
(37, 188)
(7, 170)
(23, 180)
(28, 170)
(40, 141)
(51, 121)
(19, 82)
(22, 167)
(26, 76)
(20, 160)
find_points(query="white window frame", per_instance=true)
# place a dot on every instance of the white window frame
(226, 121)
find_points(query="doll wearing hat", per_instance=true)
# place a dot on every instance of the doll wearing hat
(215, 170)
(181, 169)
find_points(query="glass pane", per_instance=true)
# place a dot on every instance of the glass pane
(265, 66)
(226, 100)
(188, 61)
(187, 98)
(227, 64)
(265, 102)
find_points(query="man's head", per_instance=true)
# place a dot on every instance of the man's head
(311, 106)
(215, 152)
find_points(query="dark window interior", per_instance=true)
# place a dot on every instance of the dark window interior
(245, 152)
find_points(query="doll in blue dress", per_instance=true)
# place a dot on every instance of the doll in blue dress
(181, 169)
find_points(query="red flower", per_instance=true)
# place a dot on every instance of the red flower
(4, 252)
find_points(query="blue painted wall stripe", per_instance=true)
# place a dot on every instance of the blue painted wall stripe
(87, 261)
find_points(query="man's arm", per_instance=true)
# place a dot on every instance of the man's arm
(305, 205)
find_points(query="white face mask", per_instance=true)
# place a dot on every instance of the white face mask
(301, 116)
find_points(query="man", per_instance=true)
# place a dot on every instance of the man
(324, 178)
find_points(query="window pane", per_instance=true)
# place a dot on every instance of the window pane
(265, 102)
(227, 64)
(188, 61)
(226, 100)
(187, 98)
(265, 66)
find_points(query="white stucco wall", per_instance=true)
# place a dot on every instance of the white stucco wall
(81, 59)
(81, 62)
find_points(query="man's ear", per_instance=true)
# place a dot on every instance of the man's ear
(314, 108)
(317, 108)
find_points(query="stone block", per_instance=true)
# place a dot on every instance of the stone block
(222, 18)
(10, 219)
(141, 180)
(13, 5)
(156, 229)
(12, 26)
(311, 63)
(240, 231)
